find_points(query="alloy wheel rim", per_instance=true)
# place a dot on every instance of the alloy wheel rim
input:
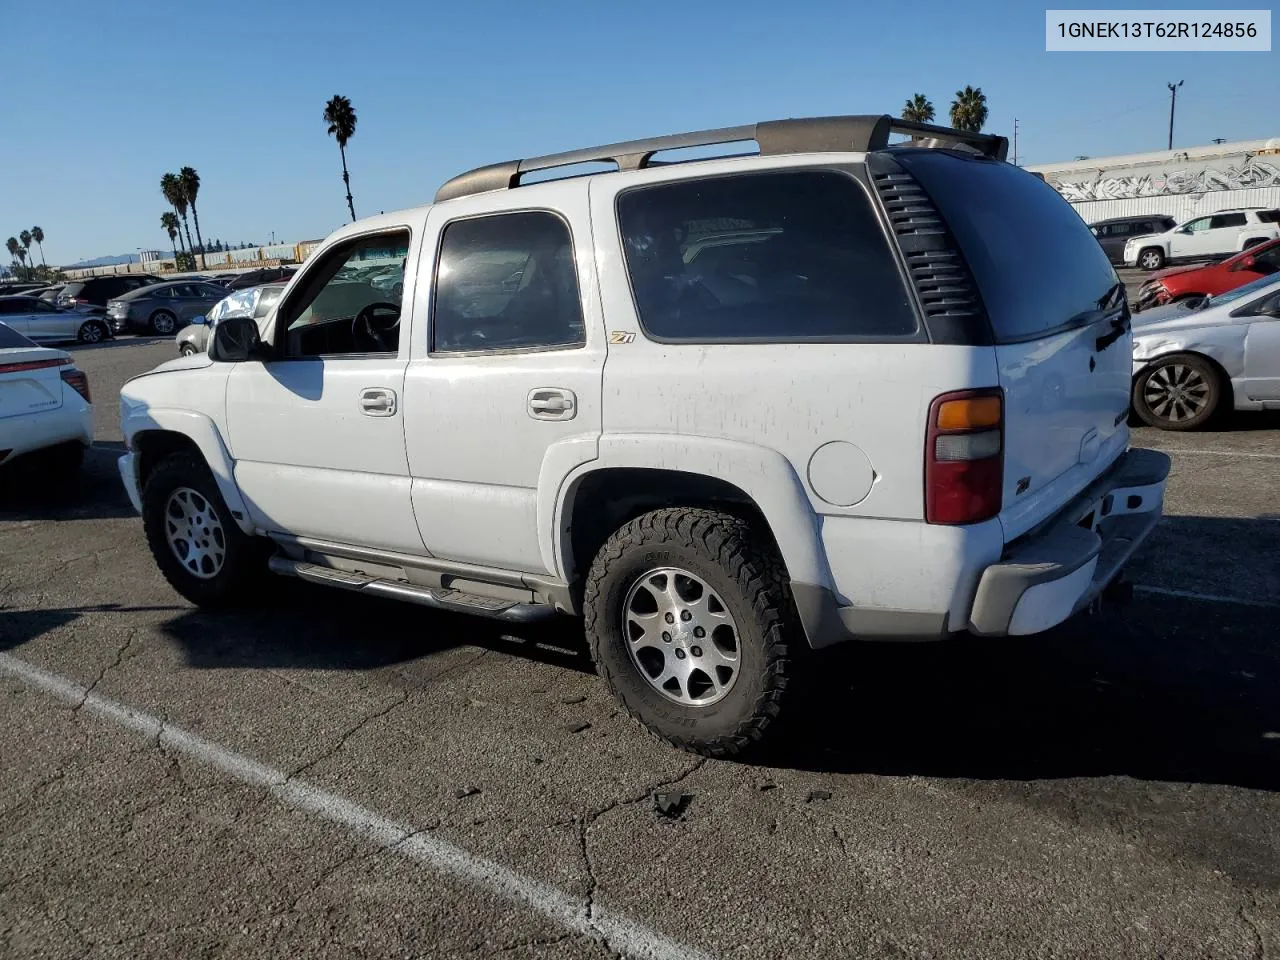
(1150, 261)
(195, 533)
(163, 323)
(1176, 392)
(681, 637)
(92, 333)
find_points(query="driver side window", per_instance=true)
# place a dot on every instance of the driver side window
(1198, 226)
(339, 310)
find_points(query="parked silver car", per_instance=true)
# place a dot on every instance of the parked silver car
(254, 302)
(41, 321)
(162, 307)
(1192, 360)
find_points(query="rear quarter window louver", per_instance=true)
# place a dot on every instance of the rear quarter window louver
(952, 307)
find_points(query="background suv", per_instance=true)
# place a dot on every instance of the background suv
(1204, 238)
(1113, 234)
(96, 291)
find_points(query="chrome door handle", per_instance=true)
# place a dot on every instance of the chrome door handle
(378, 402)
(552, 403)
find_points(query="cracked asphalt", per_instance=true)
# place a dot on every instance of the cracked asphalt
(1111, 789)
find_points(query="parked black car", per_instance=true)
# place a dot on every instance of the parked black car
(96, 291)
(1113, 234)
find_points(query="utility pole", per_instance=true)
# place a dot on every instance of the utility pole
(1173, 102)
(1015, 141)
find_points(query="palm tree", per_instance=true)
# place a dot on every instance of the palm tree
(969, 109)
(341, 118)
(918, 109)
(171, 187)
(169, 223)
(26, 238)
(12, 246)
(190, 181)
(38, 236)
(22, 259)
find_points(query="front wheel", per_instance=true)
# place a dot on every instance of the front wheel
(92, 331)
(1180, 392)
(1151, 258)
(690, 619)
(195, 540)
(187, 350)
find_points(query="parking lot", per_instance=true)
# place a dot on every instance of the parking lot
(338, 777)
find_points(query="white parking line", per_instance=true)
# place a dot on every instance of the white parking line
(1221, 453)
(1207, 597)
(620, 932)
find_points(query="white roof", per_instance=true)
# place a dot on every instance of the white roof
(1209, 152)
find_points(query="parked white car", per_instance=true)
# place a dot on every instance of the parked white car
(43, 322)
(1216, 235)
(44, 403)
(814, 427)
(1192, 361)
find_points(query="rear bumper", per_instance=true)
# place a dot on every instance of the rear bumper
(24, 434)
(1059, 569)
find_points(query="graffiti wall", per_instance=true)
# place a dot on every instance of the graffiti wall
(1220, 174)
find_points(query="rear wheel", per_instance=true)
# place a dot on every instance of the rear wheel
(163, 323)
(195, 540)
(187, 350)
(92, 331)
(1181, 392)
(690, 619)
(1151, 258)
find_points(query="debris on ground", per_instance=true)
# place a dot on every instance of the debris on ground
(462, 792)
(579, 727)
(577, 699)
(818, 795)
(769, 785)
(671, 804)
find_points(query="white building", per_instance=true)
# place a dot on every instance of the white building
(1176, 183)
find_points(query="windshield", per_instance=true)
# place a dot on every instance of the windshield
(1239, 293)
(1036, 263)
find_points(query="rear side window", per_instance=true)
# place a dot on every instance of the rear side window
(1269, 216)
(1227, 220)
(1035, 262)
(507, 282)
(794, 255)
(10, 338)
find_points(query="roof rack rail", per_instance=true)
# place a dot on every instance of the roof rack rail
(856, 134)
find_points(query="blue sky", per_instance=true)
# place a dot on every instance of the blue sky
(99, 103)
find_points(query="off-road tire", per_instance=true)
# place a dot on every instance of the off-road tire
(1213, 407)
(1156, 260)
(743, 567)
(241, 580)
(93, 331)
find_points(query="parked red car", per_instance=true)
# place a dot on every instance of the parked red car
(1197, 281)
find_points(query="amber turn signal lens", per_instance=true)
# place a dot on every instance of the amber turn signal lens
(974, 413)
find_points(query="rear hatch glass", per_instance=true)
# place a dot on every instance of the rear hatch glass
(1058, 319)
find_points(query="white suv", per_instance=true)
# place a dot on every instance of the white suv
(721, 408)
(1204, 238)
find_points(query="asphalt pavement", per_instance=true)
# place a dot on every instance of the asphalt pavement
(341, 777)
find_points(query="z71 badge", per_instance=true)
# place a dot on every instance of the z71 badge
(621, 336)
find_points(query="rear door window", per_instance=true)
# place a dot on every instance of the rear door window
(765, 257)
(1221, 220)
(1036, 264)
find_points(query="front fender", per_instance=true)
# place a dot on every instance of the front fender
(137, 418)
(764, 475)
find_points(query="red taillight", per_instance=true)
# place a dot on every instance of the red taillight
(77, 381)
(964, 457)
(32, 365)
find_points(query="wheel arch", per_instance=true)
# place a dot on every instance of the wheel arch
(637, 473)
(1215, 355)
(155, 433)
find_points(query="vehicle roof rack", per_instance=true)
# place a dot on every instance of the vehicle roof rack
(857, 134)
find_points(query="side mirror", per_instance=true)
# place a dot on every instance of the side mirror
(1248, 263)
(236, 339)
(198, 319)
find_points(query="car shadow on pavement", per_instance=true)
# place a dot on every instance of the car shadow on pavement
(316, 628)
(29, 492)
(19, 626)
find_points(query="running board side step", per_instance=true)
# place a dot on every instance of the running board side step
(441, 599)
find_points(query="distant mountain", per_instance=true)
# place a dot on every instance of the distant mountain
(105, 261)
